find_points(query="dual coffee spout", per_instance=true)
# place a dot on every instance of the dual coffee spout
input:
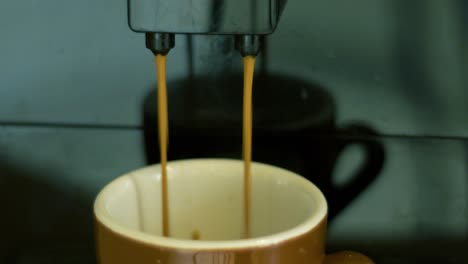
(247, 20)
(162, 43)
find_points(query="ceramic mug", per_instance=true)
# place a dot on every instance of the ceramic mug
(288, 217)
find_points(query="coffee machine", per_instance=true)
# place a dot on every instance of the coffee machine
(247, 20)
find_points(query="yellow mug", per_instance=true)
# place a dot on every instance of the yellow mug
(288, 217)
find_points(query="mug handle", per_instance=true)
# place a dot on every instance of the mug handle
(347, 257)
(374, 160)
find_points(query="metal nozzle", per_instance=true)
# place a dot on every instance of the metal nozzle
(249, 45)
(160, 43)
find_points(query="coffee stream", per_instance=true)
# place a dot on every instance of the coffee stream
(249, 63)
(163, 137)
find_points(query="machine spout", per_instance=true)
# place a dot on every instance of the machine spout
(247, 19)
(225, 17)
(160, 43)
(249, 45)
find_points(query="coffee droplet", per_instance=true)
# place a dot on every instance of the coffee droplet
(195, 235)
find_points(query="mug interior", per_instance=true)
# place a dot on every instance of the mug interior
(206, 199)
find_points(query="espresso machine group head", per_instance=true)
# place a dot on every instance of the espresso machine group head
(248, 20)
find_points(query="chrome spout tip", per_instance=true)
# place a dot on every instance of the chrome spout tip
(160, 43)
(249, 45)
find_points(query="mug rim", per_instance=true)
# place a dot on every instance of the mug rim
(306, 226)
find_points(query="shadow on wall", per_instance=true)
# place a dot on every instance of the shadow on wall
(41, 221)
(294, 127)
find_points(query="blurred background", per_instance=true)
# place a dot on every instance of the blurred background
(74, 81)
